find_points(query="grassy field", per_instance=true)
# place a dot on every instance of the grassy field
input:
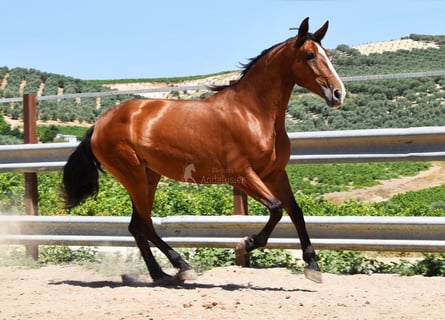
(309, 183)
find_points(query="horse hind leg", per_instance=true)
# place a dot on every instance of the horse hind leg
(139, 231)
(141, 227)
(185, 272)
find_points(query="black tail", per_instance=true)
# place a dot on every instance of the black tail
(80, 174)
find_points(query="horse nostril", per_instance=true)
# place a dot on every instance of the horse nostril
(337, 94)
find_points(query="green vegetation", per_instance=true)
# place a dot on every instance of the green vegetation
(48, 133)
(21, 81)
(77, 131)
(417, 203)
(9, 135)
(172, 197)
(63, 254)
(320, 179)
(351, 262)
(338, 262)
(373, 104)
(349, 62)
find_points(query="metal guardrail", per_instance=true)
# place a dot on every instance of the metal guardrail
(34, 157)
(369, 145)
(413, 144)
(421, 234)
(390, 76)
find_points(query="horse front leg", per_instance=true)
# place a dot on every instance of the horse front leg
(279, 184)
(312, 271)
(259, 240)
(255, 187)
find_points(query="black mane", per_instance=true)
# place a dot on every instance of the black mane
(247, 66)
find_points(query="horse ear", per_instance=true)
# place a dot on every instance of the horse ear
(320, 33)
(304, 28)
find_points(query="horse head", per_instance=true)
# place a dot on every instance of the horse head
(312, 67)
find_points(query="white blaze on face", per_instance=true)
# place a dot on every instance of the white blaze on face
(331, 67)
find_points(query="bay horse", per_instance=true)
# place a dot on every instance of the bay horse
(235, 136)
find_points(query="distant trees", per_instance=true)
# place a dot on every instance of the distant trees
(344, 49)
(379, 104)
(424, 37)
(9, 135)
(65, 110)
(348, 61)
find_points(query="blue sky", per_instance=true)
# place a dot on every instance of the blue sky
(111, 39)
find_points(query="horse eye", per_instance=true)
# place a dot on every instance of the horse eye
(310, 56)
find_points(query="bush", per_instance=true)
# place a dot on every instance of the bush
(64, 255)
(351, 262)
(431, 266)
(47, 133)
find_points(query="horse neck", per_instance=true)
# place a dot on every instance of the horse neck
(269, 84)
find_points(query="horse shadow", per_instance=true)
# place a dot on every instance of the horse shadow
(171, 284)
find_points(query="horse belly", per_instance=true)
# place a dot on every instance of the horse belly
(183, 152)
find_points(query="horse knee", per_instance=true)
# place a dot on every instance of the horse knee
(276, 210)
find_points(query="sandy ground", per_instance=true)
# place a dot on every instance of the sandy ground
(73, 292)
(434, 176)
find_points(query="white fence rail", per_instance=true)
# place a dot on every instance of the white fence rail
(423, 144)
(422, 234)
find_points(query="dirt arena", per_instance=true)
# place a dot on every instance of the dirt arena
(74, 292)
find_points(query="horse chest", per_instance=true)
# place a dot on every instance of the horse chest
(268, 153)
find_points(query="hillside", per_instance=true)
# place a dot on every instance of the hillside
(395, 45)
(370, 104)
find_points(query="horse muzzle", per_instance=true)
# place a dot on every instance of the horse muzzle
(334, 97)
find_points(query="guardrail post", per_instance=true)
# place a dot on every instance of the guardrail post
(240, 208)
(31, 184)
(239, 202)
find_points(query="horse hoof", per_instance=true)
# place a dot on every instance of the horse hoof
(187, 275)
(313, 275)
